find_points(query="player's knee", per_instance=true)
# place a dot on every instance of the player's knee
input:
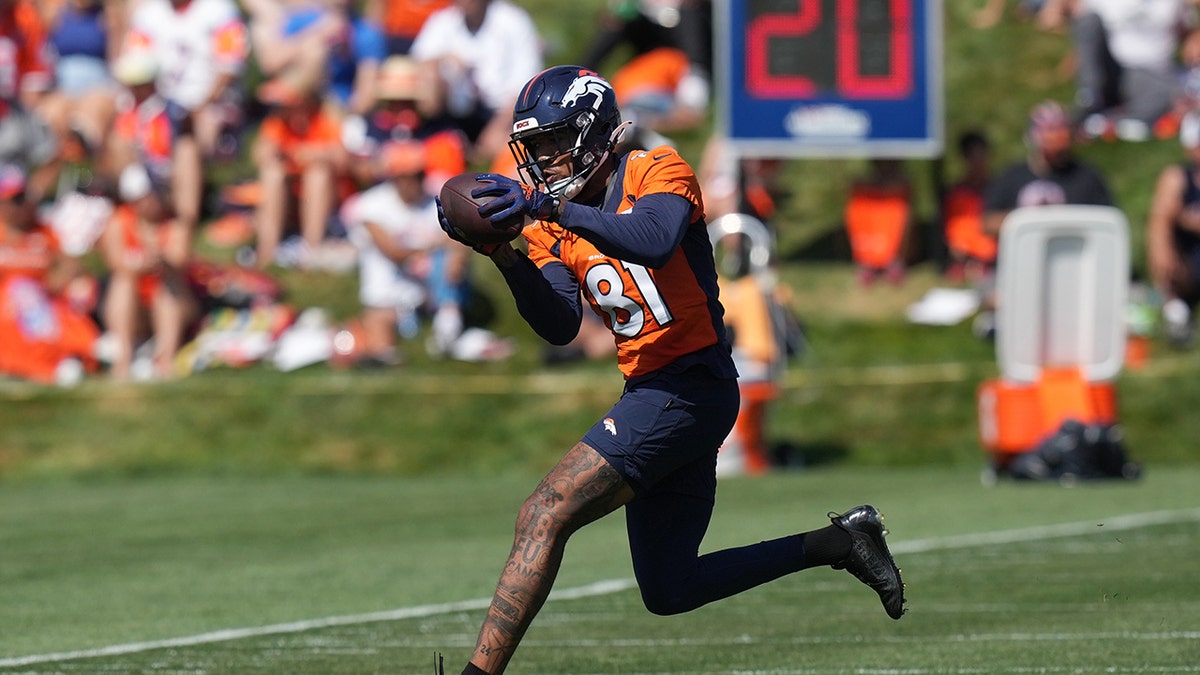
(538, 517)
(666, 601)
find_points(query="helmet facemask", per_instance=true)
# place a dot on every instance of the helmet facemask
(542, 147)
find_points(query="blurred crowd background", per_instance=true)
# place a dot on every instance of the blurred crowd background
(162, 161)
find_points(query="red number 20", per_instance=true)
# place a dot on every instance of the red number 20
(850, 80)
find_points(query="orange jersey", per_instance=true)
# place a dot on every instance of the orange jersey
(37, 330)
(963, 208)
(445, 155)
(321, 130)
(658, 315)
(405, 17)
(23, 62)
(29, 254)
(147, 127)
(658, 71)
(876, 222)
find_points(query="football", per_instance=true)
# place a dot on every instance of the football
(462, 212)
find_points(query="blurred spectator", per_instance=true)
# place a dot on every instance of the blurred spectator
(1056, 15)
(84, 36)
(751, 297)
(43, 336)
(993, 10)
(200, 47)
(26, 141)
(407, 267)
(661, 92)
(665, 85)
(399, 116)
(1128, 56)
(272, 52)
(301, 166)
(878, 217)
(1049, 174)
(736, 184)
(147, 252)
(25, 75)
(1173, 236)
(344, 61)
(1186, 98)
(143, 132)
(264, 26)
(972, 251)
(481, 53)
(644, 25)
(81, 209)
(401, 20)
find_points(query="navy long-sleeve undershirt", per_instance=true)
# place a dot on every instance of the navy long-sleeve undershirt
(548, 299)
(648, 235)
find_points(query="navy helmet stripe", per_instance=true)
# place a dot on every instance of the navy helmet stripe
(524, 97)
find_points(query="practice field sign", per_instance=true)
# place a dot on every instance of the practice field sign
(815, 78)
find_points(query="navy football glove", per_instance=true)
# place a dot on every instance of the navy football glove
(513, 198)
(452, 232)
(446, 226)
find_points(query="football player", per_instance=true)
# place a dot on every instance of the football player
(628, 229)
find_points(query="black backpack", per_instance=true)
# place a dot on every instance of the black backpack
(1077, 451)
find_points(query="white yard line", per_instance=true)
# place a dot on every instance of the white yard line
(1130, 521)
(419, 611)
(1073, 529)
(988, 670)
(991, 669)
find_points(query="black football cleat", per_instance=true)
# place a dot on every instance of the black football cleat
(869, 560)
(438, 664)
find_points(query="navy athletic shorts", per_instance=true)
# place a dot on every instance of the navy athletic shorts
(664, 432)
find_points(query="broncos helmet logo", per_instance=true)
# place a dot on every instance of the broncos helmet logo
(586, 85)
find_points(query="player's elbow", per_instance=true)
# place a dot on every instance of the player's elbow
(653, 255)
(658, 260)
(559, 328)
(559, 338)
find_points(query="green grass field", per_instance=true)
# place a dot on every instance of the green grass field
(338, 522)
(340, 574)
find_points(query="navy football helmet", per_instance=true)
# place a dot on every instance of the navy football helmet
(564, 110)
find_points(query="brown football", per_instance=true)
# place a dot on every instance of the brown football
(462, 211)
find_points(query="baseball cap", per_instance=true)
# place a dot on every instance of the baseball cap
(1048, 114)
(399, 79)
(135, 67)
(134, 183)
(1050, 126)
(403, 158)
(12, 181)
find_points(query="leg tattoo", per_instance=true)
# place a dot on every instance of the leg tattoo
(580, 489)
